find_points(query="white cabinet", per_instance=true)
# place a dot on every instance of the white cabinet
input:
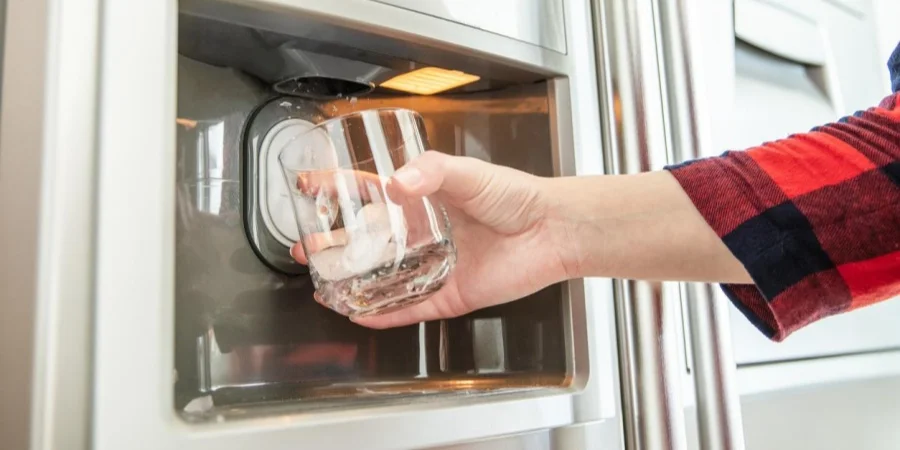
(798, 65)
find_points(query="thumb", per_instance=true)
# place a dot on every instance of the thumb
(459, 178)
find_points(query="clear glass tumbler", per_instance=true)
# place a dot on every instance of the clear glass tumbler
(368, 253)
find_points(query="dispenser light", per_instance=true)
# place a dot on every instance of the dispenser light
(429, 80)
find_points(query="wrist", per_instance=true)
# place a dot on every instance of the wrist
(565, 229)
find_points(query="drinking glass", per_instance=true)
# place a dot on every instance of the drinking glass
(368, 252)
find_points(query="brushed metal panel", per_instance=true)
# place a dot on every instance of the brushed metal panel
(538, 22)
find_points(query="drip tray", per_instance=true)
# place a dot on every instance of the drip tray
(244, 402)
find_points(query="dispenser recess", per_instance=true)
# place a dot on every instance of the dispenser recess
(250, 339)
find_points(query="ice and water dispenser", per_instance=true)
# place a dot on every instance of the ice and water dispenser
(248, 334)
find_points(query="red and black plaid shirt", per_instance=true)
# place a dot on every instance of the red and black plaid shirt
(815, 218)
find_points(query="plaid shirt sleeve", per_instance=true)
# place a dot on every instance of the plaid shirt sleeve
(814, 218)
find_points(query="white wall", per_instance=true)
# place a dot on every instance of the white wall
(861, 415)
(887, 12)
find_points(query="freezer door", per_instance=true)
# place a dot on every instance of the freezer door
(135, 310)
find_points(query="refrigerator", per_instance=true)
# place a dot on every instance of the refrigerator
(149, 298)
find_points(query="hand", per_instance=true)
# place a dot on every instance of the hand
(506, 249)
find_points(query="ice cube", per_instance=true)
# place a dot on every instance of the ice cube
(327, 264)
(367, 251)
(374, 242)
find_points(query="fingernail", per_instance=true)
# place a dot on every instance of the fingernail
(408, 176)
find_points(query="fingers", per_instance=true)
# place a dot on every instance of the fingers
(298, 254)
(459, 178)
(318, 242)
(361, 184)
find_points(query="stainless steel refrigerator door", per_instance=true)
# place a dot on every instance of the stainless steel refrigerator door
(134, 280)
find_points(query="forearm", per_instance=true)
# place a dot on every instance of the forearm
(637, 227)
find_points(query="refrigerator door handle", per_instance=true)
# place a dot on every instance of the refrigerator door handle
(633, 124)
(650, 368)
(718, 403)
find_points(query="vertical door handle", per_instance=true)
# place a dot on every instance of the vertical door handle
(718, 404)
(635, 139)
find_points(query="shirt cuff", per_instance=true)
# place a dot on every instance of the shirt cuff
(717, 187)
